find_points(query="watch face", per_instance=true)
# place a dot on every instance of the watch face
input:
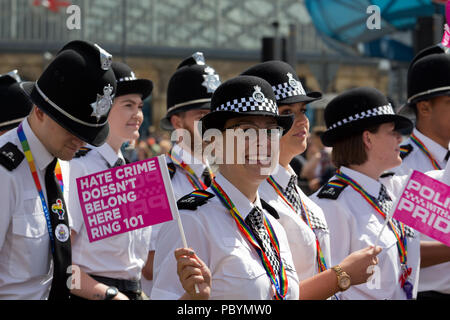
(111, 292)
(344, 282)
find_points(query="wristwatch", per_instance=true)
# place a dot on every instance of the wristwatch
(111, 292)
(343, 278)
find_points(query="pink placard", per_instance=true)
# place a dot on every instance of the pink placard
(126, 198)
(424, 205)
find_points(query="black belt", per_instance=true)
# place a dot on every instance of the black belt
(432, 295)
(121, 284)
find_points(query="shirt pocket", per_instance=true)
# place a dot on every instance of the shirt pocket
(242, 261)
(30, 241)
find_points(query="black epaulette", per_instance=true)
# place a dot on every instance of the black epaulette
(405, 150)
(270, 209)
(172, 169)
(82, 152)
(332, 190)
(10, 156)
(387, 174)
(194, 199)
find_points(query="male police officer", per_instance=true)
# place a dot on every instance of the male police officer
(188, 99)
(72, 99)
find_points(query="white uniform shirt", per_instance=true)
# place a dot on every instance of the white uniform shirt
(121, 256)
(25, 255)
(417, 160)
(180, 183)
(236, 269)
(302, 240)
(354, 224)
(435, 278)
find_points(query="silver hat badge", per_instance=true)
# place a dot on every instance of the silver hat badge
(105, 58)
(199, 58)
(292, 82)
(103, 103)
(258, 95)
(212, 80)
(14, 74)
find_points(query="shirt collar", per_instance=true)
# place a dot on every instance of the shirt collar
(437, 151)
(182, 154)
(107, 152)
(41, 156)
(282, 176)
(242, 204)
(370, 185)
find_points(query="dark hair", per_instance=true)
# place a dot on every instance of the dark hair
(351, 150)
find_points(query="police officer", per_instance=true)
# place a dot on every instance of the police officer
(228, 226)
(303, 221)
(110, 268)
(12, 95)
(427, 148)
(189, 95)
(72, 99)
(365, 135)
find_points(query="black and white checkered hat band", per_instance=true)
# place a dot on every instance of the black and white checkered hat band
(378, 111)
(249, 104)
(284, 90)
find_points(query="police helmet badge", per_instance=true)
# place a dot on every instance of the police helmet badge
(257, 95)
(103, 103)
(199, 58)
(292, 82)
(212, 81)
(105, 58)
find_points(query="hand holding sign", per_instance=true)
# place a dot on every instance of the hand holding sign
(126, 198)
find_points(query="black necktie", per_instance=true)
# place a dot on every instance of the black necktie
(206, 176)
(447, 155)
(255, 220)
(119, 162)
(62, 251)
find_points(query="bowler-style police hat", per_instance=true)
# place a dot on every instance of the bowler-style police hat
(243, 96)
(284, 81)
(190, 87)
(76, 90)
(428, 74)
(127, 82)
(355, 110)
(14, 103)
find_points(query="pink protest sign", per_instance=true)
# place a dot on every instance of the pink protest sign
(446, 37)
(424, 205)
(126, 198)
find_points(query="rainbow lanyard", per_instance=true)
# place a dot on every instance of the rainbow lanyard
(280, 286)
(321, 264)
(29, 156)
(425, 150)
(401, 238)
(196, 183)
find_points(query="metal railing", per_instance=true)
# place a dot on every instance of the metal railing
(144, 25)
